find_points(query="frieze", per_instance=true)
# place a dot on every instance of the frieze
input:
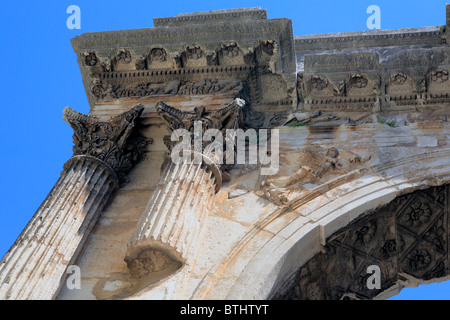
(174, 87)
(358, 93)
(398, 78)
(193, 71)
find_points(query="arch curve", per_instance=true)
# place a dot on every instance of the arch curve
(402, 244)
(297, 234)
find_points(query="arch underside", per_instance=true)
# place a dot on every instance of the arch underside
(407, 239)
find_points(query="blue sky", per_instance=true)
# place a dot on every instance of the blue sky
(40, 76)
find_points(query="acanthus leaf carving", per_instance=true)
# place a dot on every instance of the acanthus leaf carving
(319, 83)
(115, 142)
(227, 117)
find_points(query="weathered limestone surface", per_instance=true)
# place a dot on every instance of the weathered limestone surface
(389, 70)
(193, 54)
(175, 217)
(104, 152)
(378, 164)
(363, 173)
(35, 265)
(104, 272)
(407, 239)
(227, 15)
(317, 207)
(447, 21)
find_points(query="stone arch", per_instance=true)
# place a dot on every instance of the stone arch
(293, 235)
(406, 240)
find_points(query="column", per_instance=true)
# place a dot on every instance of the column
(35, 266)
(174, 220)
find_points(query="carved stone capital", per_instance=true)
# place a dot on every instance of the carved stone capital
(227, 117)
(115, 142)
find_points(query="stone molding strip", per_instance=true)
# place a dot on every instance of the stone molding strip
(212, 16)
(365, 39)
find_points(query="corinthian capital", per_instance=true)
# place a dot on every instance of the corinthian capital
(227, 117)
(197, 123)
(115, 142)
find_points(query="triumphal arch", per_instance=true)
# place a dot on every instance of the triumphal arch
(359, 121)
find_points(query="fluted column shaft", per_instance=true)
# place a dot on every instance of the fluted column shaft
(175, 215)
(36, 262)
(104, 152)
(172, 225)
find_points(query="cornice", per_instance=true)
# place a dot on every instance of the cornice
(365, 39)
(215, 32)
